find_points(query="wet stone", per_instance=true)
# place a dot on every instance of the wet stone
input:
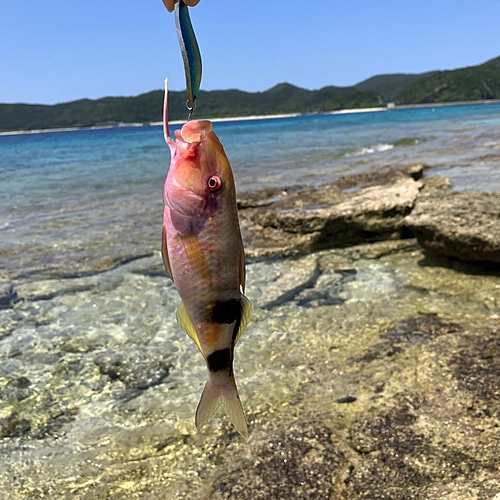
(14, 426)
(8, 296)
(290, 284)
(295, 462)
(414, 331)
(16, 389)
(476, 366)
(136, 370)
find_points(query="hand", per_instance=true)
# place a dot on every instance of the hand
(170, 4)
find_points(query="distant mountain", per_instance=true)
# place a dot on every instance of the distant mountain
(494, 62)
(391, 85)
(464, 84)
(145, 108)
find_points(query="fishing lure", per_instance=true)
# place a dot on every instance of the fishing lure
(190, 53)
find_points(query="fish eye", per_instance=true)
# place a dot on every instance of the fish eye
(214, 183)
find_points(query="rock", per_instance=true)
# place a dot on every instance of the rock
(136, 370)
(289, 285)
(306, 220)
(14, 426)
(7, 294)
(375, 212)
(461, 225)
(48, 289)
(296, 461)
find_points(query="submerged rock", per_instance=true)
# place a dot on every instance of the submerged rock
(461, 225)
(289, 285)
(364, 374)
(367, 371)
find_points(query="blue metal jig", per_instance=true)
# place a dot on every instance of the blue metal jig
(190, 53)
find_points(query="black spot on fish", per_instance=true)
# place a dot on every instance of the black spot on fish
(219, 360)
(236, 328)
(227, 312)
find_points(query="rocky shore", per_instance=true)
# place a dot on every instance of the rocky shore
(389, 204)
(370, 369)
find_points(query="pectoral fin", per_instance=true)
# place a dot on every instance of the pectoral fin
(246, 311)
(187, 325)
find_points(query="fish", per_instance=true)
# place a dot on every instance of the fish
(203, 254)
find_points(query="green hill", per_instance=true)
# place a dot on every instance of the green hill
(494, 62)
(145, 108)
(389, 85)
(465, 84)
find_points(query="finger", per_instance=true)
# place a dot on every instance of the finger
(170, 4)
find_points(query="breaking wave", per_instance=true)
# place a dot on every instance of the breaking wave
(377, 148)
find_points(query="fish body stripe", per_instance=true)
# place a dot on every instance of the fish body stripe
(219, 360)
(225, 312)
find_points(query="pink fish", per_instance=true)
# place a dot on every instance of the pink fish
(203, 254)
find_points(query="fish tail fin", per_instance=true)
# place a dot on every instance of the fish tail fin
(219, 391)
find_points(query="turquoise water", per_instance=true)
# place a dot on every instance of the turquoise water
(46, 171)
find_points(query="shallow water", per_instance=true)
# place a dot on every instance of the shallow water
(98, 384)
(97, 378)
(72, 197)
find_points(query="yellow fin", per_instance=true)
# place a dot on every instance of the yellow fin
(187, 325)
(246, 312)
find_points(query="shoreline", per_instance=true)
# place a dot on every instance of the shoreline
(259, 117)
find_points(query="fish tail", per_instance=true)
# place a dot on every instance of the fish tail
(221, 389)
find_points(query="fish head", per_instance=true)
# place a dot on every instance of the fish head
(200, 173)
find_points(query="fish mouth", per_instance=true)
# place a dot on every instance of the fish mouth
(194, 131)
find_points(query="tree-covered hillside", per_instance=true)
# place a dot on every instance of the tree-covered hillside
(466, 84)
(390, 85)
(145, 108)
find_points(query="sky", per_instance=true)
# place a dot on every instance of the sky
(55, 51)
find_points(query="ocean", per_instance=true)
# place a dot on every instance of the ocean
(61, 186)
(99, 385)
(53, 168)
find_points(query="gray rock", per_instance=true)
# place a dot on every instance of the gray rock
(7, 294)
(311, 223)
(287, 286)
(461, 225)
(136, 370)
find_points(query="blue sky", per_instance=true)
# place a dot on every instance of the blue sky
(60, 50)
